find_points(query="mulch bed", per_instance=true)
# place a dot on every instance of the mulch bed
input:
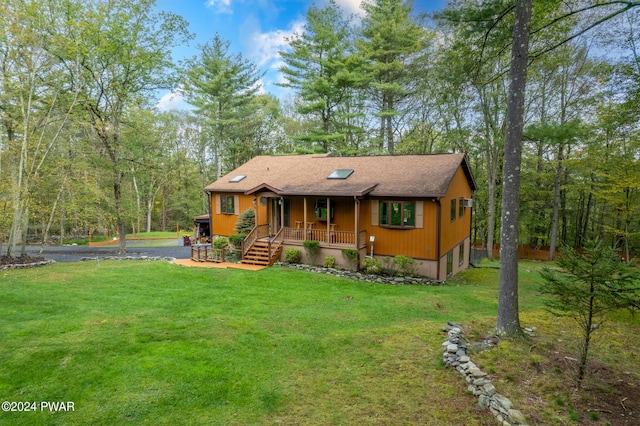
(26, 260)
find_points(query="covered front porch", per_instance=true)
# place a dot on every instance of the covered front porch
(332, 221)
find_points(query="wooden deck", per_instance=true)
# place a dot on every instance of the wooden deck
(219, 265)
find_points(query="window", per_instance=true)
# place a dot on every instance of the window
(449, 263)
(454, 211)
(321, 210)
(461, 255)
(227, 204)
(237, 178)
(340, 174)
(461, 207)
(397, 214)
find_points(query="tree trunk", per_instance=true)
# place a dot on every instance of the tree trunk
(45, 234)
(164, 209)
(508, 319)
(149, 209)
(556, 204)
(491, 216)
(117, 195)
(588, 329)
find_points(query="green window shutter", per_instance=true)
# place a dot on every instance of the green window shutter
(375, 212)
(420, 214)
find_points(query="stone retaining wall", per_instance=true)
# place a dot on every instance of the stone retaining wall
(360, 276)
(456, 356)
(26, 265)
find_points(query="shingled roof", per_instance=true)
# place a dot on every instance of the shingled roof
(424, 176)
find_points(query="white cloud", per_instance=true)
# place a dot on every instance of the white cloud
(351, 6)
(172, 101)
(219, 6)
(266, 46)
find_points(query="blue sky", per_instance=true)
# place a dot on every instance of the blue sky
(257, 29)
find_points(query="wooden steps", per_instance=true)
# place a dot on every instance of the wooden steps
(259, 254)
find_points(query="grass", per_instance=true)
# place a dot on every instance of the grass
(154, 343)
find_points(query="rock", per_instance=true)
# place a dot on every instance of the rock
(517, 417)
(474, 371)
(484, 401)
(489, 389)
(452, 348)
(503, 401)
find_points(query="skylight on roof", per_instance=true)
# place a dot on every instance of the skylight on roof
(237, 178)
(340, 174)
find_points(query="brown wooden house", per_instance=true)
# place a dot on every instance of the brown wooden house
(412, 205)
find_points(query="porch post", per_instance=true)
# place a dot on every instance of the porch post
(304, 227)
(255, 206)
(281, 213)
(328, 239)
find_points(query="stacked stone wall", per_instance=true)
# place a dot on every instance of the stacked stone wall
(456, 356)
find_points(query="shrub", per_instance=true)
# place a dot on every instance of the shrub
(329, 261)
(372, 265)
(351, 255)
(246, 221)
(233, 256)
(312, 247)
(292, 255)
(221, 242)
(387, 266)
(236, 240)
(405, 265)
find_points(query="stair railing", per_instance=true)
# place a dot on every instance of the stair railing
(258, 231)
(278, 238)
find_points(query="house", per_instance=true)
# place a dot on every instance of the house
(413, 205)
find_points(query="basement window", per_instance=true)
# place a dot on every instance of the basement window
(340, 174)
(238, 178)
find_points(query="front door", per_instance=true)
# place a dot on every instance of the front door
(279, 213)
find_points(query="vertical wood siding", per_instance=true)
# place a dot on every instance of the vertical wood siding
(224, 224)
(418, 242)
(453, 233)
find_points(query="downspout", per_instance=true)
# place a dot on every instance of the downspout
(470, 229)
(210, 218)
(357, 227)
(438, 231)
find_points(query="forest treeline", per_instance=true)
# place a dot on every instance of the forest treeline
(84, 149)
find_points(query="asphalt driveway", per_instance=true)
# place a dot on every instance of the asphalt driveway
(161, 248)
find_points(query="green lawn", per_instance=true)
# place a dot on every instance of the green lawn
(153, 343)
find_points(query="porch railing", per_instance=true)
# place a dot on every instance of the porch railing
(340, 238)
(207, 254)
(363, 239)
(275, 241)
